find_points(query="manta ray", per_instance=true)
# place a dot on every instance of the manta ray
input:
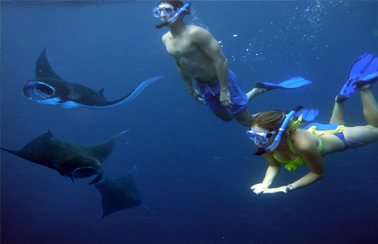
(49, 88)
(71, 160)
(120, 193)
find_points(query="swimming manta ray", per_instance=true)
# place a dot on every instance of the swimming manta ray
(120, 193)
(71, 160)
(49, 88)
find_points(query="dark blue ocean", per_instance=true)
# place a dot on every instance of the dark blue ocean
(194, 170)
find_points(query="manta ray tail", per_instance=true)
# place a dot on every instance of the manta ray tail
(132, 95)
(148, 208)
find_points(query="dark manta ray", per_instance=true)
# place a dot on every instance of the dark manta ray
(49, 88)
(120, 193)
(71, 160)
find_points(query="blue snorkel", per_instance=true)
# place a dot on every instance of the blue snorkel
(263, 149)
(184, 9)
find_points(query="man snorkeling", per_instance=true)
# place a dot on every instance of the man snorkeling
(198, 55)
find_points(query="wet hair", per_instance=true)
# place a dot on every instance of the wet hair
(269, 120)
(176, 4)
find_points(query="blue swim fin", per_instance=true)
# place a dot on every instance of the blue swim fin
(363, 71)
(292, 83)
(308, 114)
(369, 79)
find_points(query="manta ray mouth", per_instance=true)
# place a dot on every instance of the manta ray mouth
(86, 172)
(37, 90)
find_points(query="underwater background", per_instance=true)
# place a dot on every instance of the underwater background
(194, 170)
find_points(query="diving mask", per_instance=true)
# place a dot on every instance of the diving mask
(262, 148)
(164, 10)
(168, 13)
(260, 136)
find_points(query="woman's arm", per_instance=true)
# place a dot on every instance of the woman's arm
(271, 173)
(314, 161)
(306, 148)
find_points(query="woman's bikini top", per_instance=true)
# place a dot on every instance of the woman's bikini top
(299, 161)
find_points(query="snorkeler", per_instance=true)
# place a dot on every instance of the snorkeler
(281, 141)
(198, 56)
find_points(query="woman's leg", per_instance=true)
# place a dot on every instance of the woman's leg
(370, 106)
(338, 113)
(369, 133)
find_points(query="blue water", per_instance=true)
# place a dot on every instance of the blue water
(194, 170)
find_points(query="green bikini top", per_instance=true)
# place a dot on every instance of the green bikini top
(299, 161)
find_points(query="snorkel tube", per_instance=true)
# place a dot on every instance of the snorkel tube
(263, 149)
(174, 17)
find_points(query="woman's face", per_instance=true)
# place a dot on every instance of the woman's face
(260, 136)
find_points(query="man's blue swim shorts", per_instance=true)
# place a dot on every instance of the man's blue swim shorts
(211, 93)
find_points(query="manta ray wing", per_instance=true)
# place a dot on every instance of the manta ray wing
(43, 68)
(102, 150)
(70, 159)
(120, 193)
(49, 88)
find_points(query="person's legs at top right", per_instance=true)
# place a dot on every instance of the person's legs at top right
(370, 106)
(362, 75)
(369, 133)
(338, 113)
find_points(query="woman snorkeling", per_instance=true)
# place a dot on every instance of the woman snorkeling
(281, 141)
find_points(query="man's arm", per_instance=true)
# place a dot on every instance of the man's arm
(206, 42)
(187, 78)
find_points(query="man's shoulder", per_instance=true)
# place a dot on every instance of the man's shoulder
(194, 30)
(165, 36)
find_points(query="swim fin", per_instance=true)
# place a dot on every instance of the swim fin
(308, 114)
(369, 79)
(363, 71)
(292, 83)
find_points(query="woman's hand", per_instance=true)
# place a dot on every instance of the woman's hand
(282, 189)
(263, 188)
(259, 188)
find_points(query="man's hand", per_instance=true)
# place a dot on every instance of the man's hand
(259, 188)
(197, 96)
(225, 99)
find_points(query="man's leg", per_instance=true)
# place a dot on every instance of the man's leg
(224, 115)
(245, 118)
(255, 92)
(262, 87)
